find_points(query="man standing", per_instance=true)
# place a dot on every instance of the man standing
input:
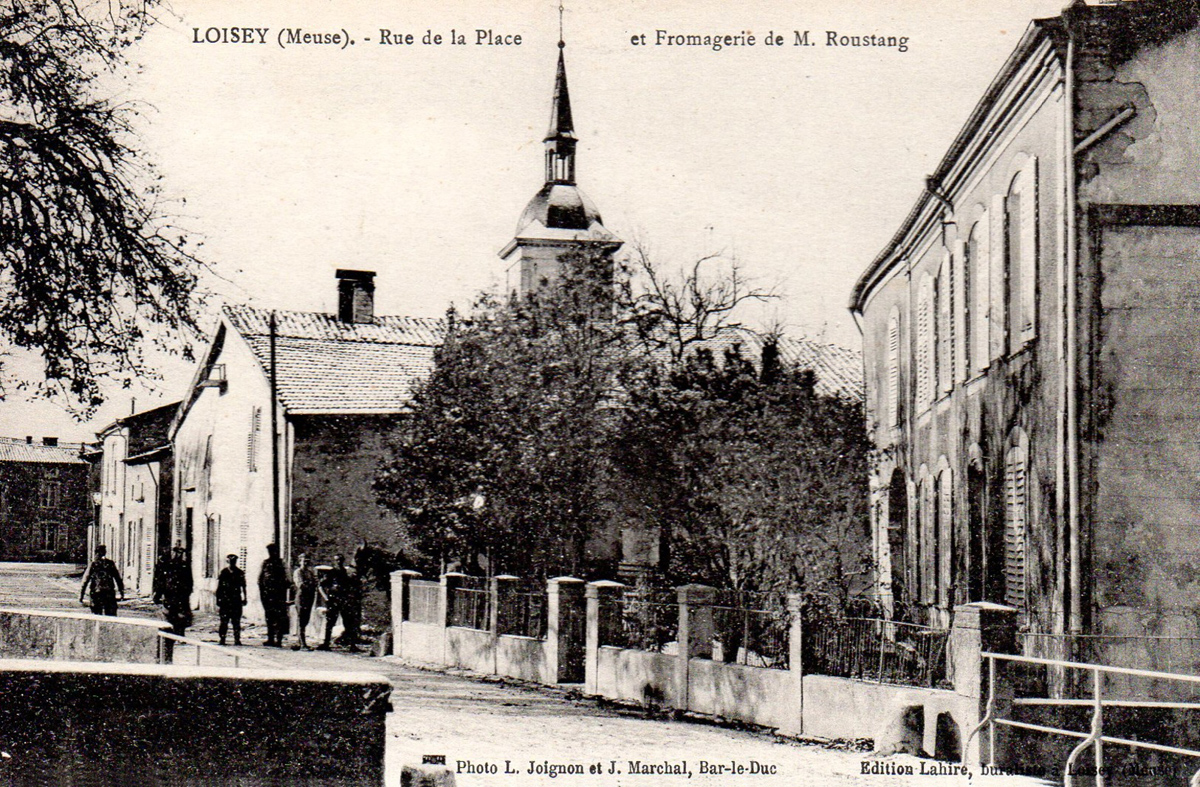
(304, 585)
(231, 597)
(334, 588)
(177, 592)
(272, 592)
(102, 581)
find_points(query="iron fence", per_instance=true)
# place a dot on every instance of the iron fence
(470, 608)
(752, 629)
(872, 649)
(523, 611)
(641, 620)
(423, 599)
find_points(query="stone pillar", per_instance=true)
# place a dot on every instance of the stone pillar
(597, 595)
(694, 637)
(795, 604)
(450, 581)
(500, 588)
(978, 627)
(401, 588)
(566, 634)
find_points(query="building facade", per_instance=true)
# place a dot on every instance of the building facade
(1030, 341)
(135, 492)
(45, 504)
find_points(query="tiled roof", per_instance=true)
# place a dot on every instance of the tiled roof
(839, 371)
(17, 450)
(327, 366)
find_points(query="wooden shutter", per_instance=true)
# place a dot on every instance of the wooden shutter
(980, 283)
(945, 330)
(998, 309)
(1015, 511)
(945, 535)
(928, 546)
(1029, 250)
(924, 343)
(893, 373)
(961, 311)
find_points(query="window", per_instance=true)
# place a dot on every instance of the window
(51, 494)
(925, 341)
(53, 536)
(997, 255)
(1015, 518)
(977, 295)
(945, 537)
(927, 546)
(893, 372)
(945, 327)
(897, 535)
(1012, 266)
(253, 439)
(1025, 237)
(212, 545)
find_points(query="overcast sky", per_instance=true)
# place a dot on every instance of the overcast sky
(416, 161)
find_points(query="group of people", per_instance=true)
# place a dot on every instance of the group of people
(339, 587)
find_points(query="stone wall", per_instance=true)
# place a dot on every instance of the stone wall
(66, 636)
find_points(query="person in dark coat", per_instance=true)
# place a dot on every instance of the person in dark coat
(334, 589)
(273, 586)
(177, 592)
(102, 581)
(162, 568)
(231, 597)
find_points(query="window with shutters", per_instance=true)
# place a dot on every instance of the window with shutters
(945, 327)
(212, 546)
(1015, 517)
(1012, 266)
(253, 439)
(945, 537)
(927, 548)
(1029, 251)
(997, 273)
(925, 344)
(893, 372)
(897, 535)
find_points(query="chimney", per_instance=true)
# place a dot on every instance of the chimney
(28, 439)
(356, 296)
(50, 441)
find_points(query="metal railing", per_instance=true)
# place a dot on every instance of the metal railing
(641, 620)
(752, 629)
(523, 613)
(1094, 738)
(424, 598)
(881, 651)
(470, 608)
(201, 647)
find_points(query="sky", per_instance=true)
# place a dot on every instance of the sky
(288, 162)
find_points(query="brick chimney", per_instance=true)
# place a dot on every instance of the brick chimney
(50, 441)
(356, 296)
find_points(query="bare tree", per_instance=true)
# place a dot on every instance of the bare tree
(89, 265)
(695, 304)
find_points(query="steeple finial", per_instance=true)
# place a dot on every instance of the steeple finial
(561, 44)
(560, 139)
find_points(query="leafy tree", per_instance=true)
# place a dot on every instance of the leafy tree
(88, 265)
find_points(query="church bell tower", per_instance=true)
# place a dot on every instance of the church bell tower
(560, 222)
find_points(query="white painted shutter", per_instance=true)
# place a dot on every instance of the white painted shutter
(893, 373)
(981, 282)
(997, 248)
(945, 331)
(1029, 250)
(961, 311)
(1015, 508)
(945, 535)
(924, 343)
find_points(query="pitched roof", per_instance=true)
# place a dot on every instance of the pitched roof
(325, 366)
(838, 371)
(14, 449)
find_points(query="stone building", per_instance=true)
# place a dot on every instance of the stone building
(45, 505)
(279, 436)
(134, 483)
(1031, 340)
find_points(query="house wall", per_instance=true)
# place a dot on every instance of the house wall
(223, 474)
(28, 517)
(1003, 389)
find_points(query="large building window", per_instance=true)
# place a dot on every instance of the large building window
(978, 258)
(253, 438)
(945, 327)
(897, 536)
(925, 343)
(945, 537)
(892, 410)
(927, 541)
(976, 529)
(212, 546)
(1016, 515)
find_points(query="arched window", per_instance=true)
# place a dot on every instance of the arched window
(978, 258)
(1016, 514)
(927, 543)
(893, 372)
(976, 530)
(945, 326)
(897, 536)
(945, 537)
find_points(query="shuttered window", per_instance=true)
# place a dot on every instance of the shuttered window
(253, 438)
(925, 344)
(962, 311)
(1029, 250)
(945, 327)
(945, 536)
(893, 373)
(1015, 516)
(212, 545)
(979, 252)
(927, 548)
(997, 292)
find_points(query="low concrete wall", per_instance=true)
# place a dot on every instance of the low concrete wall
(636, 676)
(523, 658)
(769, 697)
(470, 649)
(117, 724)
(424, 642)
(79, 636)
(846, 708)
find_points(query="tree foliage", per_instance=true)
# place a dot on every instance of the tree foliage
(88, 264)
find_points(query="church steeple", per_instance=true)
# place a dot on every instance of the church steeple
(560, 139)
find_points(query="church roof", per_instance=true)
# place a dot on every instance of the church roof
(558, 206)
(17, 450)
(562, 126)
(328, 367)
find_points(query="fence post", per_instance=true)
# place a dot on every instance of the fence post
(695, 635)
(565, 637)
(980, 626)
(499, 589)
(450, 582)
(401, 589)
(597, 595)
(795, 605)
